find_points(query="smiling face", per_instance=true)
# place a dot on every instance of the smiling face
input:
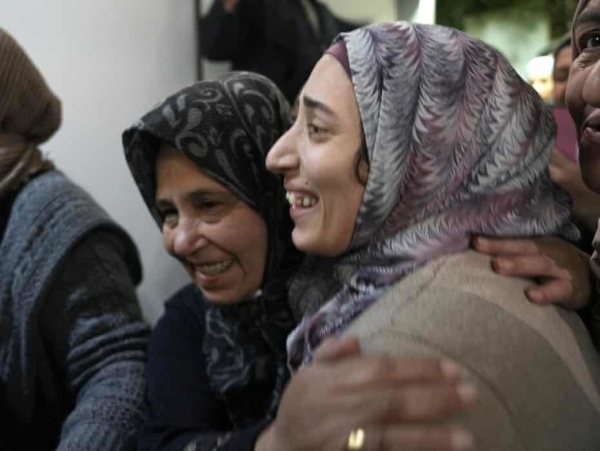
(318, 158)
(221, 241)
(583, 92)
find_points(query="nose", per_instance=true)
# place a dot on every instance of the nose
(185, 238)
(591, 88)
(283, 156)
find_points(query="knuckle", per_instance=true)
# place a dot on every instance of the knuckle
(382, 368)
(569, 288)
(565, 274)
(546, 263)
(532, 247)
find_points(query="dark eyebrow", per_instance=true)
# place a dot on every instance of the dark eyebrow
(314, 104)
(162, 204)
(589, 16)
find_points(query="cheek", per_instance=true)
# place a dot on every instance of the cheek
(167, 239)
(248, 243)
(575, 102)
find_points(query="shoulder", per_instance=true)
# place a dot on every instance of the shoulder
(184, 315)
(461, 293)
(55, 189)
(186, 300)
(517, 353)
(52, 216)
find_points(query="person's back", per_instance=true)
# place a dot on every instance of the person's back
(281, 39)
(72, 340)
(536, 369)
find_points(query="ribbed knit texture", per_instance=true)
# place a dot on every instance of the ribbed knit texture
(72, 341)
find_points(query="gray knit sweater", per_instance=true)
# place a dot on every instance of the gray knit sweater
(72, 341)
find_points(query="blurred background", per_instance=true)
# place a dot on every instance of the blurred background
(112, 60)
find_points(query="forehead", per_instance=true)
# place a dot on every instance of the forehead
(589, 14)
(329, 84)
(176, 172)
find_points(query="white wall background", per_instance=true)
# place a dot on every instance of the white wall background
(110, 61)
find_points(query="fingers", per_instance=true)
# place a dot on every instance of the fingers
(414, 438)
(364, 372)
(334, 349)
(555, 283)
(533, 265)
(559, 291)
(411, 403)
(546, 260)
(505, 246)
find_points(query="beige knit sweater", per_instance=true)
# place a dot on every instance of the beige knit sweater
(537, 372)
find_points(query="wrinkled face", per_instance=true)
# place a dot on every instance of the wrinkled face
(583, 92)
(561, 74)
(220, 241)
(318, 158)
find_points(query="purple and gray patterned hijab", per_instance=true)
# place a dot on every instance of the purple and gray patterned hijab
(458, 145)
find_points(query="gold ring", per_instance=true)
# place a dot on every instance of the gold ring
(356, 439)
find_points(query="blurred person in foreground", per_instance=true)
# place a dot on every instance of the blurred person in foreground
(72, 339)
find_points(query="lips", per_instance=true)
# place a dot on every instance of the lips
(592, 122)
(590, 133)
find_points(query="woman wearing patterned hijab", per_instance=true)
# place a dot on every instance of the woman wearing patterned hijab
(453, 144)
(198, 160)
(217, 358)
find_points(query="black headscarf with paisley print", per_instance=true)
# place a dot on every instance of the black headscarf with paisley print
(227, 127)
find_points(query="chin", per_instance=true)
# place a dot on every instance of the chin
(591, 180)
(310, 245)
(590, 169)
(220, 298)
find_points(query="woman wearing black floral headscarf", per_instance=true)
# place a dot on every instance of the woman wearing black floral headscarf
(220, 131)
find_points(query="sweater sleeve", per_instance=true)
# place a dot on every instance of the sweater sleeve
(94, 330)
(185, 413)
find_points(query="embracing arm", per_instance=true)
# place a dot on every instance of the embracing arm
(97, 340)
(561, 269)
(398, 401)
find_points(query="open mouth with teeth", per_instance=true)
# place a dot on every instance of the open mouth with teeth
(213, 269)
(298, 200)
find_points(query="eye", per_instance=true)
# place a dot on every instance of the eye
(314, 130)
(591, 41)
(207, 205)
(169, 217)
